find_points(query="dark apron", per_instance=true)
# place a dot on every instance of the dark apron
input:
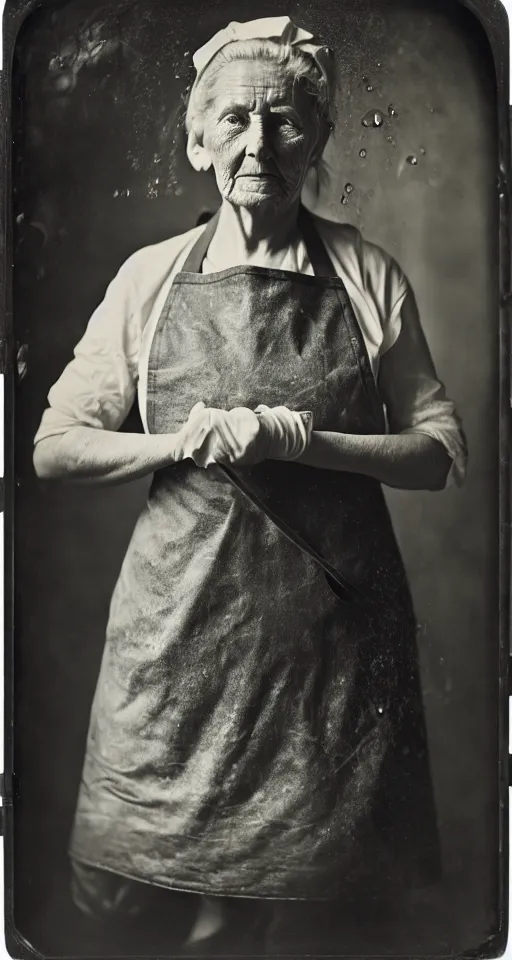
(251, 734)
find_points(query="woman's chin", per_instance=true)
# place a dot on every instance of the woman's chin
(257, 193)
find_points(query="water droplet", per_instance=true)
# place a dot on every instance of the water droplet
(390, 140)
(369, 88)
(344, 200)
(374, 118)
(115, 193)
(423, 151)
(380, 709)
(362, 153)
(412, 160)
(391, 111)
(20, 218)
(348, 188)
(379, 64)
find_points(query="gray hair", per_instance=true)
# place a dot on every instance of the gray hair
(301, 65)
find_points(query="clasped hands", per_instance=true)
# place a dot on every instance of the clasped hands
(241, 437)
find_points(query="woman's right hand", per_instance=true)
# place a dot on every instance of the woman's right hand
(212, 436)
(241, 437)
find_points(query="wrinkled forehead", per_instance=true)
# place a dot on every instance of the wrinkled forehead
(254, 84)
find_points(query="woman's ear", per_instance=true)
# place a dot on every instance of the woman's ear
(197, 154)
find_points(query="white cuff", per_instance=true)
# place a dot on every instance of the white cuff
(454, 442)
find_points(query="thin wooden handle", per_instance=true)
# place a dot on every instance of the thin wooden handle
(344, 590)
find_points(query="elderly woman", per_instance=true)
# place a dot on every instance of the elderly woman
(257, 729)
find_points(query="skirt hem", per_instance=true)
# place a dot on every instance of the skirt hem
(200, 891)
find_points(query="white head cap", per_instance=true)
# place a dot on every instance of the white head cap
(280, 29)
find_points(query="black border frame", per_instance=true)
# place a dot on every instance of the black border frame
(493, 18)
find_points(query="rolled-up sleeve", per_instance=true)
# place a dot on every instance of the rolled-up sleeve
(98, 386)
(414, 397)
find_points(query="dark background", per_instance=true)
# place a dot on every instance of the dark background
(99, 170)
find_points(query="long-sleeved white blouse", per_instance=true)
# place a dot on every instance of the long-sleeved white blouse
(98, 387)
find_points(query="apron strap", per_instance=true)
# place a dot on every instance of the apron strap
(318, 256)
(194, 260)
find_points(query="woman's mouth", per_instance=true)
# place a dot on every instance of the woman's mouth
(261, 175)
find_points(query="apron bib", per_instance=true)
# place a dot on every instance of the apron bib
(251, 734)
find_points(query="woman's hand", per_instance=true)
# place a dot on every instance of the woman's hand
(218, 436)
(241, 437)
(289, 433)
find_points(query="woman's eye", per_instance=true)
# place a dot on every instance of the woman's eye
(286, 123)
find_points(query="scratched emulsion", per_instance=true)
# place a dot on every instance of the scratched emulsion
(100, 171)
(137, 58)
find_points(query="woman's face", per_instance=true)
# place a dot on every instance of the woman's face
(261, 133)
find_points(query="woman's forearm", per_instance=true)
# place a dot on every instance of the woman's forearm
(86, 454)
(410, 461)
(90, 455)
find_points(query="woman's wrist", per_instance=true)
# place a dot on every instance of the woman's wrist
(326, 450)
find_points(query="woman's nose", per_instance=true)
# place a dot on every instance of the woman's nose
(256, 144)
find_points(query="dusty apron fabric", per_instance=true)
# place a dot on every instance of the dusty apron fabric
(250, 734)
